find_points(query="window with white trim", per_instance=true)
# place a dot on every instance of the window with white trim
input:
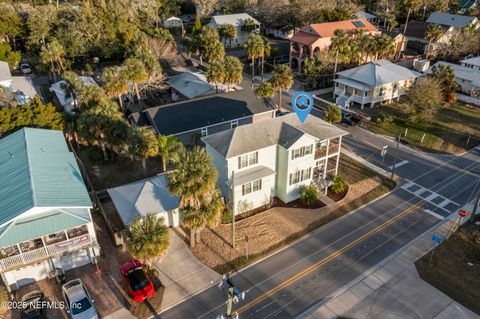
(247, 160)
(302, 151)
(382, 92)
(233, 123)
(251, 187)
(204, 131)
(300, 176)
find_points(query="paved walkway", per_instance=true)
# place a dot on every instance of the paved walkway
(181, 273)
(393, 289)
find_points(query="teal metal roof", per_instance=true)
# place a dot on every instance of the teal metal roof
(38, 170)
(40, 225)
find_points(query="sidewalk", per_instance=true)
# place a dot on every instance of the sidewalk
(362, 160)
(393, 289)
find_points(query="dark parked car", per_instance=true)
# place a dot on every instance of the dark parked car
(33, 308)
(349, 119)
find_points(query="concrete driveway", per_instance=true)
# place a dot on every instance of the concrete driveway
(181, 273)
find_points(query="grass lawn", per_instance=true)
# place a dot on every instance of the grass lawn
(327, 96)
(448, 132)
(117, 171)
(449, 269)
(275, 228)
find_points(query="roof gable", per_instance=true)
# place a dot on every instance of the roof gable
(234, 19)
(284, 131)
(38, 170)
(378, 72)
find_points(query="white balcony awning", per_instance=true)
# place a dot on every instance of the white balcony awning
(252, 174)
(353, 84)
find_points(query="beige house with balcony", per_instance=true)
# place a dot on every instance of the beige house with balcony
(45, 219)
(259, 161)
(375, 82)
(316, 39)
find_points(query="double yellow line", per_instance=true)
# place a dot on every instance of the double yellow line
(328, 258)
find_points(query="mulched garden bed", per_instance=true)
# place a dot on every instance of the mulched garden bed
(279, 203)
(336, 197)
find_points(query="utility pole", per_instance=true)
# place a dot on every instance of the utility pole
(234, 295)
(233, 209)
(396, 155)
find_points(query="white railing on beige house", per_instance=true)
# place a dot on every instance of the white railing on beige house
(45, 252)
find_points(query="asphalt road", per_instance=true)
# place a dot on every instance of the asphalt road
(310, 270)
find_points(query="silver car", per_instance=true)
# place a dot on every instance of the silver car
(79, 303)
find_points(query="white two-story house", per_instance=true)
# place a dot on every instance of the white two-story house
(273, 158)
(375, 82)
(238, 21)
(45, 219)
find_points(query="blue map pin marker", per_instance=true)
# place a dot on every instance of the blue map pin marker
(302, 103)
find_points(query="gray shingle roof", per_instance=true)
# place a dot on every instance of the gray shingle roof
(194, 114)
(283, 130)
(453, 20)
(379, 72)
(234, 19)
(472, 61)
(143, 197)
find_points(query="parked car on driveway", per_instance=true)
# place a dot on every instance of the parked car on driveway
(138, 283)
(349, 119)
(26, 69)
(33, 308)
(79, 303)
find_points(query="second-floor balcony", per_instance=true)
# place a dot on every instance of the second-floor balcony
(39, 249)
(333, 148)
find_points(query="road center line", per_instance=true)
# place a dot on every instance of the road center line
(330, 257)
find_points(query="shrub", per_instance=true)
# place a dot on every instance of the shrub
(226, 216)
(4, 296)
(339, 185)
(384, 120)
(308, 194)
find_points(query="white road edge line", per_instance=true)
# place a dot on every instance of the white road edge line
(428, 211)
(399, 164)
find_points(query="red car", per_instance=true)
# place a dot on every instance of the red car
(138, 283)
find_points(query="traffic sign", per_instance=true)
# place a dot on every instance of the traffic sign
(384, 150)
(437, 239)
(462, 213)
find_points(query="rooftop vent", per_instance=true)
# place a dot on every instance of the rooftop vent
(358, 24)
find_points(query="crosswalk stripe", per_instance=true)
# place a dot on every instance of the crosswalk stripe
(399, 164)
(430, 198)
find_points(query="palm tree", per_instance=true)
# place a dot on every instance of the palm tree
(282, 79)
(411, 6)
(135, 73)
(168, 146)
(233, 71)
(434, 32)
(147, 237)
(208, 214)
(255, 48)
(313, 68)
(228, 32)
(332, 114)
(341, 46)
(193, 180)
(248, 25)
(143, 145)
(215, 74)
(267, 51)
(265, 90)
(446, 76)
(53, 54)
(115, 83)
(97, 123)
(210, 46)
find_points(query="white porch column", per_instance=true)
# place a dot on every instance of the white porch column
(326, 161)
(338, 155)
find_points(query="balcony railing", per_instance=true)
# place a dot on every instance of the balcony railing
(320, 152)
(44, 252)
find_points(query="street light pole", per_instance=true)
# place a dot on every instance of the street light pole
(474, 210)
(396, 155)
(233, 209)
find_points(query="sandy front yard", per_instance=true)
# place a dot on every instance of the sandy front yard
(276, 227)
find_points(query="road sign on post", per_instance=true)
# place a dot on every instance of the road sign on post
(384, 152)
(462, 213)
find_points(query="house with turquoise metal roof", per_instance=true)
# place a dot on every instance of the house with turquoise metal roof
(45, 218)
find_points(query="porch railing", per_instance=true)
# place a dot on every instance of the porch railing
(44, 252)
